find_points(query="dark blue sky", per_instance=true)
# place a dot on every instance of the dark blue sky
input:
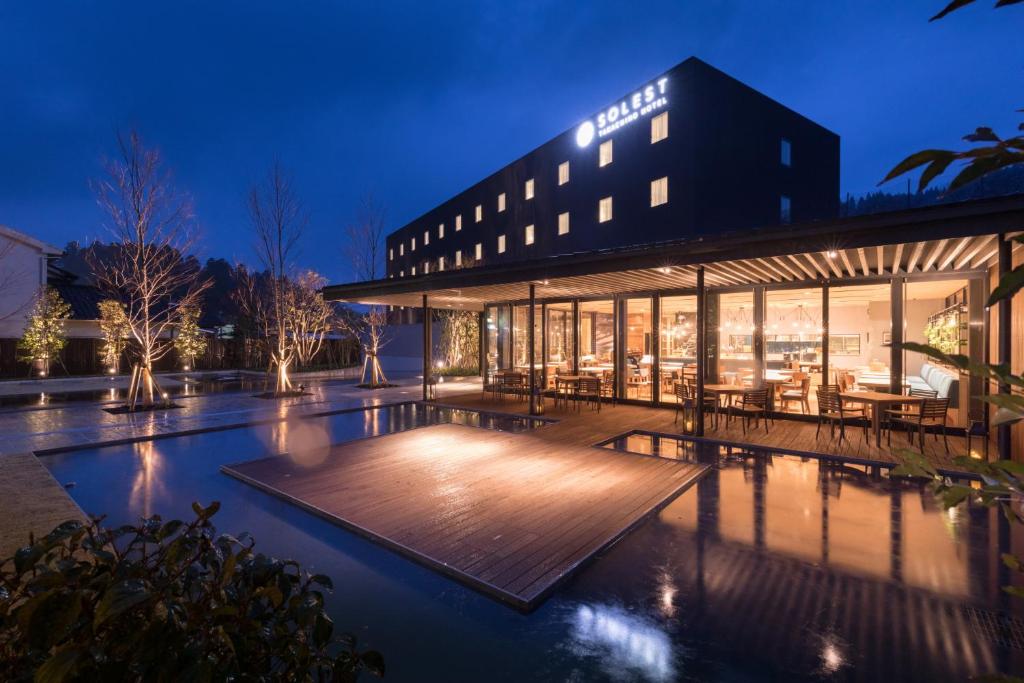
(416, 101)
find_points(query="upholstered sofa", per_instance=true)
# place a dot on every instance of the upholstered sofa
(938, 379)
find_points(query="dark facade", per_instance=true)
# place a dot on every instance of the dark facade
(732, 159)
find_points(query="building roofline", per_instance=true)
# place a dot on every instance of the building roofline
(960, 219)
(19, 236)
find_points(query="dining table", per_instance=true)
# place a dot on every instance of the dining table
(570, 382)
(774, 379)
(719, 390)
(879, 401)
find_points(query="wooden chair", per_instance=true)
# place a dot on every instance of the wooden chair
(513, 384)
(831, 408)
(799, 395)
(933, 413)
(686, 403)
(589, 391)
(753, 404)
(608, 385)
(490, 384)
(849, 411)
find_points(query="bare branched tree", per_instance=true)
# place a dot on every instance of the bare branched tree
(308, 317)
(253, 307)
(364, 248)
(153, 228)
(278, 220)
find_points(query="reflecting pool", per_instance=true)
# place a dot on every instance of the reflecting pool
(770, 568)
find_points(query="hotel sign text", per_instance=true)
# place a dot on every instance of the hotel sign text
(640, 103)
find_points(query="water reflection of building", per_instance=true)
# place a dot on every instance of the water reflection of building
(810, 575)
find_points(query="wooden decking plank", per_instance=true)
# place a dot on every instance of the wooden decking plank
(509, 494)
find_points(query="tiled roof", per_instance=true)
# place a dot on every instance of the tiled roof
(83, 299)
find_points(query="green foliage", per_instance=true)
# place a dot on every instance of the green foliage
(166, 601)
(189, 341)
(116, 329)
(44, 336)
(957, 4)
(991, 153)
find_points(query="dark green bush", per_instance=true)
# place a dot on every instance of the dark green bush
(166, 601)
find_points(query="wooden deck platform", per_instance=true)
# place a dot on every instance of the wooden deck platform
(586, 426)
(512, 515)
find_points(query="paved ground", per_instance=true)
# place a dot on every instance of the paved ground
(32, 501)
(40, 429)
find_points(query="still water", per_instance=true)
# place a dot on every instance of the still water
(770, 568)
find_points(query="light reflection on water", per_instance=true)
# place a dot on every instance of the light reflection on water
(770, 568)
(625, 644)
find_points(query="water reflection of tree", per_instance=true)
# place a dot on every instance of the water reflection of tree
(148, 484)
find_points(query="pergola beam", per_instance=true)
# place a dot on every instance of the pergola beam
(934, 255)
(915, 256)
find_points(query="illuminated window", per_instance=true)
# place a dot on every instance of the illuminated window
(605, 153)
(529, 188)
(563, 223)
(458, 258)
(401, 249)
(529, 234)
(604, 210)
(414, 271)
(501, 203)
(479, 213)
(391, 254)
(401, 273)
(426, 267)
(563, 173)
(426, 237)
(440, 231)
(785, 213)
(440, 264)
(412, 244)
(501, 244)
(479, 251)
(786, 153)
(659, 127)
(659, 191)
(458, 222)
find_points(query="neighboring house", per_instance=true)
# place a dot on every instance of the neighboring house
(84, 299)
(23, 270)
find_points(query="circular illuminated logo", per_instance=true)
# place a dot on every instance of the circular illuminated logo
(585, 133)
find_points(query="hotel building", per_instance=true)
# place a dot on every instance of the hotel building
(688, 231)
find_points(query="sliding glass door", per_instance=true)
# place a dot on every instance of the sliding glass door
(597, 342)
(677, 339)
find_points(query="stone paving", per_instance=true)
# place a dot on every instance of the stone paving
(80, 424)
(32, 501)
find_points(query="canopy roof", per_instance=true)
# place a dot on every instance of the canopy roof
(949, 237)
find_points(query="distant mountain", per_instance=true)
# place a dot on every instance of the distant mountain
(1007, 181)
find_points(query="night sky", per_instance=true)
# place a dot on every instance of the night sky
(414, 102)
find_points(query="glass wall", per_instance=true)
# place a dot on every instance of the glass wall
(937, 313)
(677, 336)
(597, 342)
(793, 352)
(521, 338)
(558, 331)
(780, 345)
(639, 370)
(497, 321)
(860, 331)
(734, 336)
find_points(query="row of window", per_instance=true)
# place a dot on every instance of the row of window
(659, 132)
(659, 196)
